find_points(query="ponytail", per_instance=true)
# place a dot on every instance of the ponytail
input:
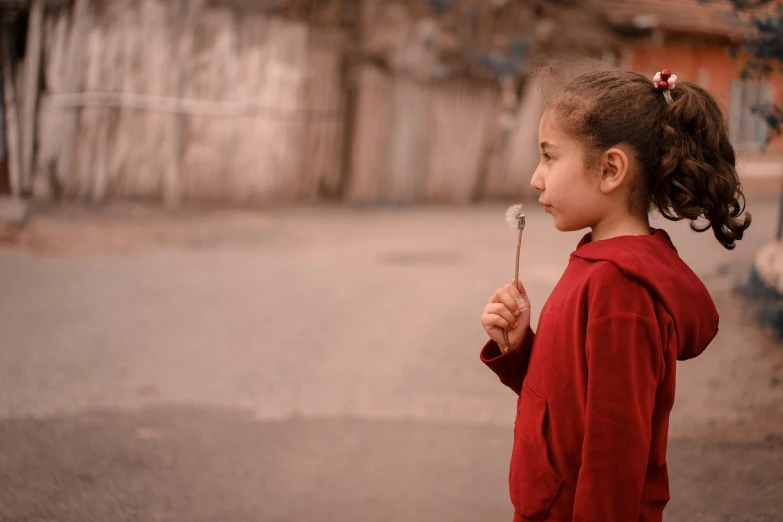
(697, 176)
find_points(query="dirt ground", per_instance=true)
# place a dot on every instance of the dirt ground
(295, 364)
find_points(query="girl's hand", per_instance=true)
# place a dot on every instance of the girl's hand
(508, 309)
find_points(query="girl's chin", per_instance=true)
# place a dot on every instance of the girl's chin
(562, 226)
(556, 221)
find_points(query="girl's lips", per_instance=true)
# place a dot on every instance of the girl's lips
(547, 208)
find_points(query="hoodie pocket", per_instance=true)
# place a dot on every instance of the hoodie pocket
(533, 483)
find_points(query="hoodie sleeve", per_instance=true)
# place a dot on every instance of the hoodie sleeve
(510, 367)
(624, 362)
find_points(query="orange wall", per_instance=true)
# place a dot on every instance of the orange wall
(707, 65)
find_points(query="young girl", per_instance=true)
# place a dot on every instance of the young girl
(596, 381)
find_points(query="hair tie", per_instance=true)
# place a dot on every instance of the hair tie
(667, 81)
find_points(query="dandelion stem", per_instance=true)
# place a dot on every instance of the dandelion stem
(507, 346)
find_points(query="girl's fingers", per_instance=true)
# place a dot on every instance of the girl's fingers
(511, 289)
(508, 302)
(505, 298)
(501, 310)
(519, 294)
(520, 288)
(490, 321)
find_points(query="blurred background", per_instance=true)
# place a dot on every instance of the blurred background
(245, 246)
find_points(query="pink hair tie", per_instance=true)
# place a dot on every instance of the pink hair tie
(667, 81)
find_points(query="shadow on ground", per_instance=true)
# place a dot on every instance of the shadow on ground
(189, 464)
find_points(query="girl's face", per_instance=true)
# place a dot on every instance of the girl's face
(567, 192)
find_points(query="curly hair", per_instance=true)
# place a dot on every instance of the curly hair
(683, 149)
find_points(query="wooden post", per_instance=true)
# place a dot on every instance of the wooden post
(32, 72)
(11, 116)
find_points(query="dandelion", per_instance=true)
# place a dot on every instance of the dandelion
(516, 220)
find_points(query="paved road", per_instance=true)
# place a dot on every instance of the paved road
(322, 364)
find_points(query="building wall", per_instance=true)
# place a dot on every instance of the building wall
(708, 65)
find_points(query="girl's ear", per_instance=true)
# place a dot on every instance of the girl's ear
(614, 169)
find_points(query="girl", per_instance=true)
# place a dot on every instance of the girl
(596, 381)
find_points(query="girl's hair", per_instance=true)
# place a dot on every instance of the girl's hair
(683, 150)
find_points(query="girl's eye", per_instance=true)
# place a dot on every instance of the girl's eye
(547, 157)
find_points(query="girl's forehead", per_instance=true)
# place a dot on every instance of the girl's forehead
(550, 131)
(549, 123)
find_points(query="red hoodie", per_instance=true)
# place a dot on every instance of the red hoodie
(596, 383)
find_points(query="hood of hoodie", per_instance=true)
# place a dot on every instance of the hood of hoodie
(654, 262)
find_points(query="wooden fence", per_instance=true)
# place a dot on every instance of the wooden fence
(175, 101)
(440, 142)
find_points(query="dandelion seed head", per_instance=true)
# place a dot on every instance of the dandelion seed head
(514, 217)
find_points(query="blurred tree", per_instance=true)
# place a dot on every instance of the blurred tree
(484, 40)
(763, 46)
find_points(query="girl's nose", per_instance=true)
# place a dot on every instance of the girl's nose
(537, 181)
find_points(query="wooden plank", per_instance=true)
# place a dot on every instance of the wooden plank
(127, 154)
(158, 49)
(514, 147)
(5, 182)
(12, 126)
(32, 70)
(274, 174)
(110, 79)
(492, 154)
(370, 147)
(79, 183)
(322, 166)
(460, 120)
(210, 72)
(58, 25)
(406, 163)
(73, 82)
(87, 180)
(227, 108)
(523, 151)
(285, 88)
(143, 142)
(172, 179)
(47, 180)
(247, 182)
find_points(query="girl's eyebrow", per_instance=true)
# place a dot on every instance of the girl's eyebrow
(545, 144)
